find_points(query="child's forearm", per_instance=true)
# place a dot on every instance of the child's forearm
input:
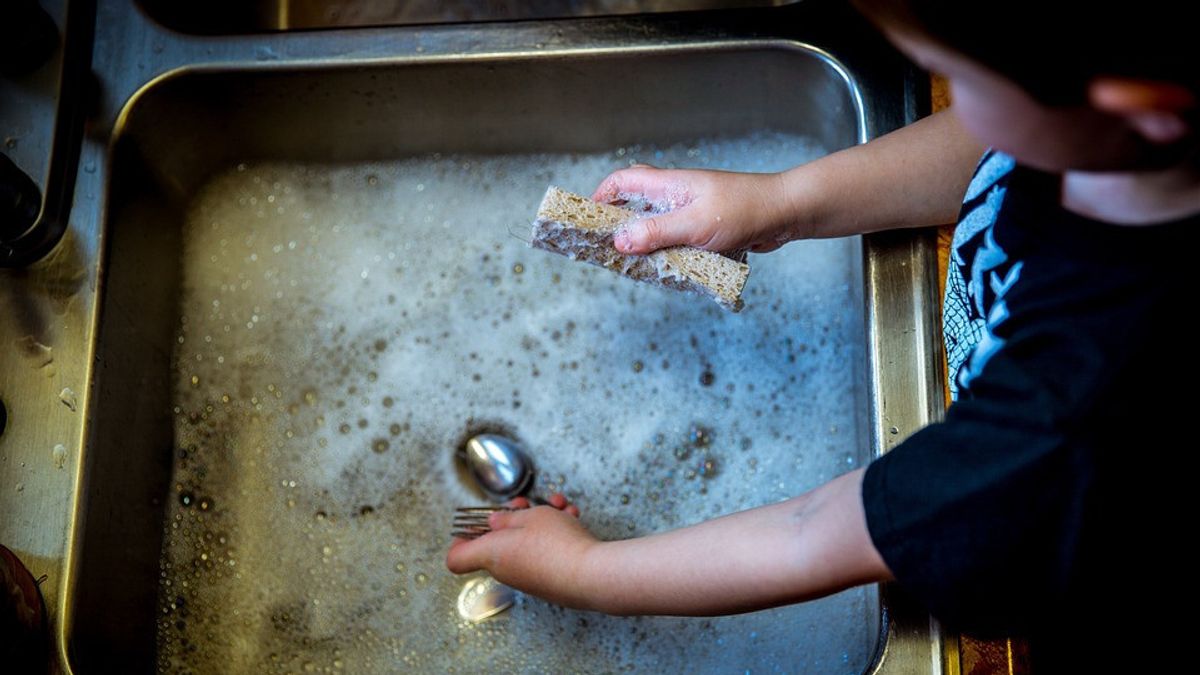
(804, 548)
(912, 177)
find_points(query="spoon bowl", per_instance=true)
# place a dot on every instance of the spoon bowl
(499, 465)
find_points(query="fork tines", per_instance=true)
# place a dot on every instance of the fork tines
(471, 522)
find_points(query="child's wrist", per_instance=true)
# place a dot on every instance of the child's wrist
(800, 203)
(593, 579)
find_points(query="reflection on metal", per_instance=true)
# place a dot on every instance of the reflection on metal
(238, 16)
(483, 597)
(499, 464)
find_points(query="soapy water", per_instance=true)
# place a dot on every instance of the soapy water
(343, 328)
(644, 205)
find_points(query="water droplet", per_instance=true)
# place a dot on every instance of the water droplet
(59, 455)
(894, 430)
(195, 380)
(421, 578)
(186, 498)
(518, 268)
(380, 445)
(707, 378)
(68, 399)
(638, 366)
(708, 468)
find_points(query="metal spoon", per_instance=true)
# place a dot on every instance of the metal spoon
(483, 597)
(499, 465)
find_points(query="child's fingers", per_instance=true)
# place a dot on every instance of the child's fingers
(505, 519)
(519, 503)
(465, 555)
(560, 502)
(641, 179)
(646, 235)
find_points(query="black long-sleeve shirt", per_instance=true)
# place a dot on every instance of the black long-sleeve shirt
(1053, 500)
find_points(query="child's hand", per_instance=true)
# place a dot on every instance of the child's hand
(715, 210)
(536, 550)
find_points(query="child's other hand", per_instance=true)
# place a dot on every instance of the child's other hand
(536, 550)
(716, 210)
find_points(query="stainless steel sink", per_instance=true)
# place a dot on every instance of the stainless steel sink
(235, 16)
(312, 286)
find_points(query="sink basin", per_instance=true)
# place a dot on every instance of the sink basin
(233, 16)
(318, 286)
(296, 278)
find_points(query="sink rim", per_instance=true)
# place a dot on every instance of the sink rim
(130, 107)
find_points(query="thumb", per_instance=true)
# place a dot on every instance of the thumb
(466, 555)
(646, 235)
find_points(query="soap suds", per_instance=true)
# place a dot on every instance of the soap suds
(341, 328)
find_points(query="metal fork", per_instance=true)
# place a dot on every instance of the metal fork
(471, 522)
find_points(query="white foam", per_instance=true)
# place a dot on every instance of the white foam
(343, 324)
